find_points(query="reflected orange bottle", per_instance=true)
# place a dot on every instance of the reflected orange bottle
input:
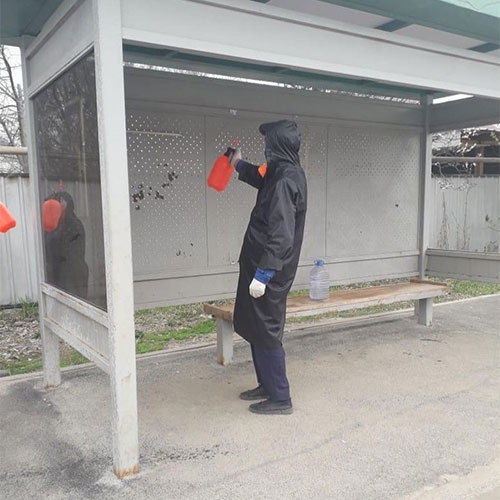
(222, 170)
(6, 220)
(51, 214)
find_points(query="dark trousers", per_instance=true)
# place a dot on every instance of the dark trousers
(270, 368)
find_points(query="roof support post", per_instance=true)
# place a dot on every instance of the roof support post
(425, 179)
(117, 233)
(50, 341)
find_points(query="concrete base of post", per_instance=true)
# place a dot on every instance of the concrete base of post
(50, 358)
(123, 473)
(224, 342)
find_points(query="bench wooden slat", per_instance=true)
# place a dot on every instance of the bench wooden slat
(349, 299)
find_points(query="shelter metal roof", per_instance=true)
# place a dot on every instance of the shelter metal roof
(471, 24)
(475, 22)
(210, 65)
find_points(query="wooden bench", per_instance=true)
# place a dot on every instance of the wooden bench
(420, 291)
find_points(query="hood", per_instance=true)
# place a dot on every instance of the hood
(282, 141)
(64, 195)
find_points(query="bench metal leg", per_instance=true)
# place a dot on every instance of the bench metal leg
(423, 310)
(224, 342)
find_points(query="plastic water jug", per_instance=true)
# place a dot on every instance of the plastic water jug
(6, 220)
(319, 281)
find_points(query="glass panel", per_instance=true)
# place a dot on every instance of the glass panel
(70, 183)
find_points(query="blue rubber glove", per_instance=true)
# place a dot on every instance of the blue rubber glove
(258, 285)
(264, 275)
(237, 165)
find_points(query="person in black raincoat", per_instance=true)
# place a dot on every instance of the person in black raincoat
(268, 261)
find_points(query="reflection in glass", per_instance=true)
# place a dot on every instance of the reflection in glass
(65, 249)
(70, 184)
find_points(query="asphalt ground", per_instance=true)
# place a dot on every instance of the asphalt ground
(384, 409)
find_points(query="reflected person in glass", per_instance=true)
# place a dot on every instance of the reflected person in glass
(65, 249)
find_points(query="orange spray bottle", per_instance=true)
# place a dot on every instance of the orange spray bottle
(222, 170)
(6, 220)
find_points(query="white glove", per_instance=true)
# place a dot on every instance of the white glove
(257, 289)
(235, 157)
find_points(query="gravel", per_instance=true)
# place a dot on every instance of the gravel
(19, 338)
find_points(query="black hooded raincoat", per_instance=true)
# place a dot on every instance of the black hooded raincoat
(274, 235)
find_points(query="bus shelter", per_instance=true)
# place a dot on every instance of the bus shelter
(129, 102)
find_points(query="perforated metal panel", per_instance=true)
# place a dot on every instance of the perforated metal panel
(167, 191)
(372, 191)
(313, 158)
(365, 205)
(229, 212)
(363, 198)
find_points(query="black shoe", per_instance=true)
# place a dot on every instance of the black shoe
(269, 407)
(253, 394)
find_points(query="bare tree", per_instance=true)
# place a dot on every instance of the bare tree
(11, 113)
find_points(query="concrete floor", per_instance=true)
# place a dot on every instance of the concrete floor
(384, 410)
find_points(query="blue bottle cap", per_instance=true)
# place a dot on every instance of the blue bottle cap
(319, 262)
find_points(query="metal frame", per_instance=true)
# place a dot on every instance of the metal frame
(67, 35)
(78, 323)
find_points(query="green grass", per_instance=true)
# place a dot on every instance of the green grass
(463, 289)
(69, 357)
(155, 341)
(29, 310)
(181, 312)
(22, 366)
(155, 328)
(73, 357)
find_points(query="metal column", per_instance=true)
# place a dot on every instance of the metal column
(117, 234)
(425, 178)
(50, 341)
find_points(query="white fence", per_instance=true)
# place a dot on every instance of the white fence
(18, 279)
(466, 216)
